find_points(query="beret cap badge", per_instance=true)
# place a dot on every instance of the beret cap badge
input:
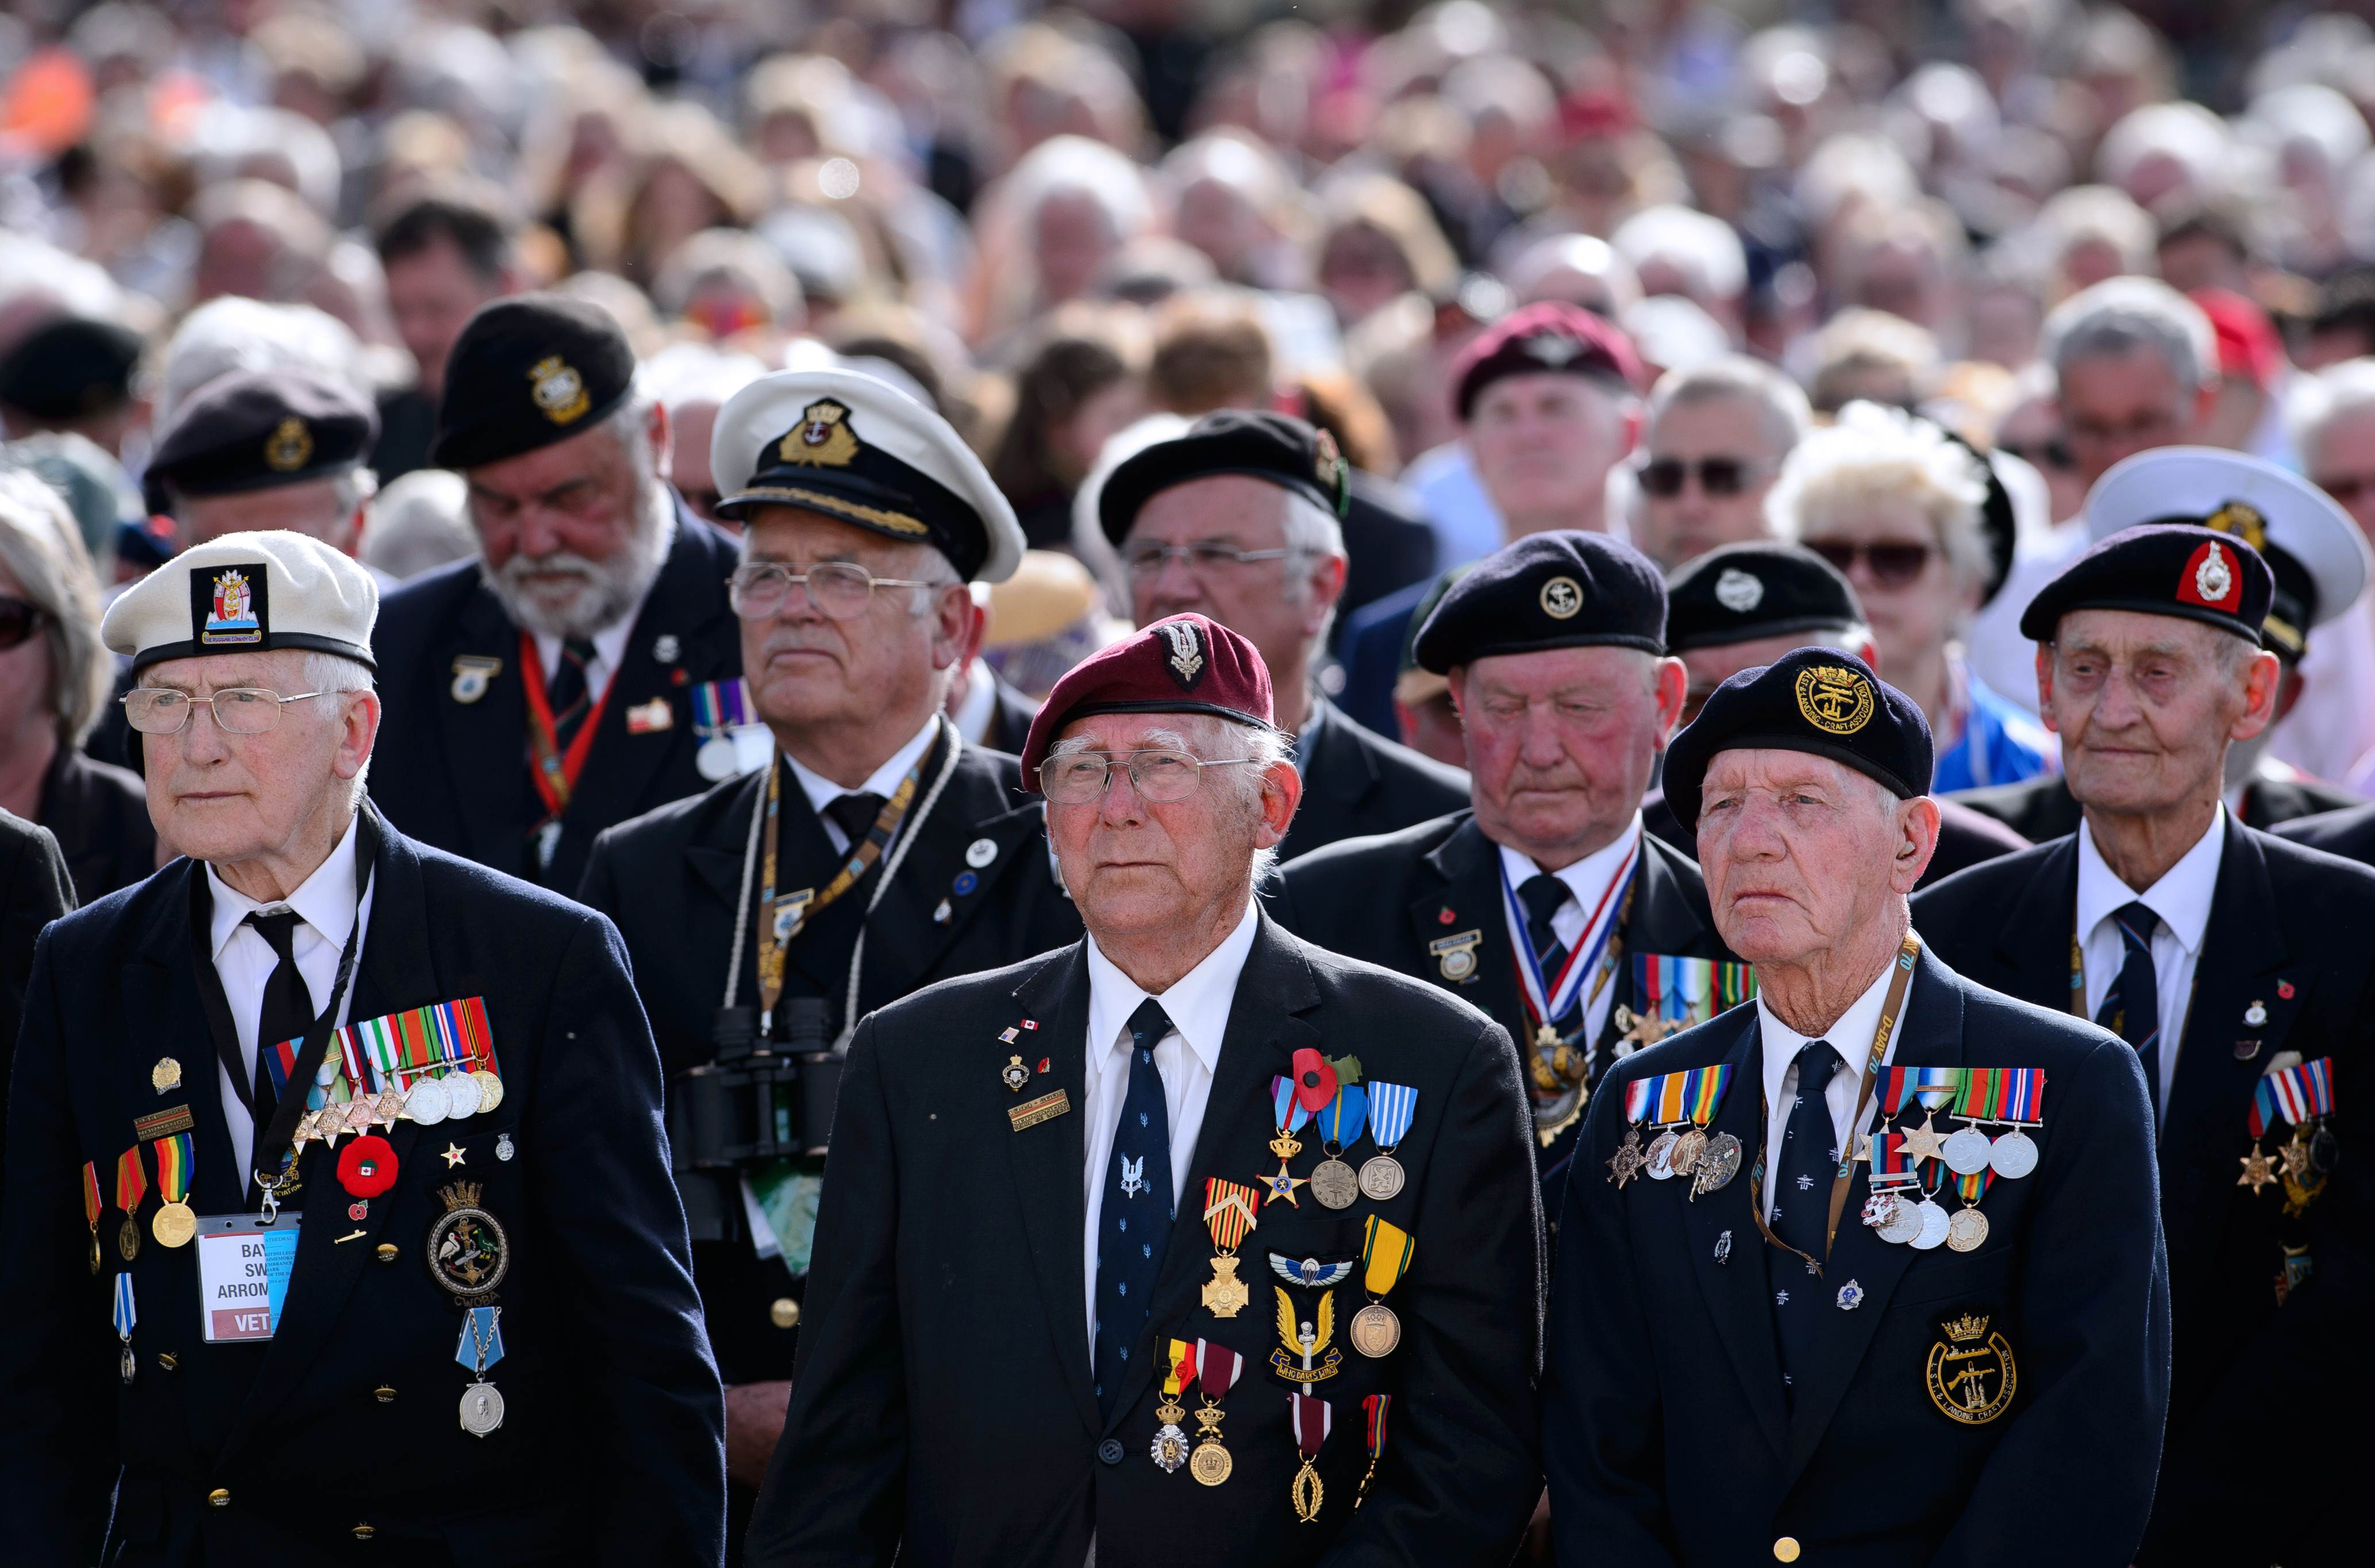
(1739, 591)
(1186, 660)
(290, 447)
(230, 606)
(2210, 580)
(1562, 597)
(1835, 699)
(823, 439)
(558, 390)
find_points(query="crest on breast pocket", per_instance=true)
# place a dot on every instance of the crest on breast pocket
(1970, 1373)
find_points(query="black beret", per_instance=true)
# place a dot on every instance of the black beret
(1554, 590)
(70, 369)
(2161, 569)
(259, 430)
(528, 371)
(1813, 700)
(1277, 447)
(1762, 588)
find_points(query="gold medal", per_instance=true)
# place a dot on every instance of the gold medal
(1687, 1149)
(1376, 1331)
(1966, 1229)
(491, 1090)
(1307, 1493)
(1224, 1295)
(1210, 1463)
(94, 1251)
(2258, 1171)
(127, 1239)
(165, 1075)
(175, 1225)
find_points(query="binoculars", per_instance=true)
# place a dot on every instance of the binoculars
(759, 1100)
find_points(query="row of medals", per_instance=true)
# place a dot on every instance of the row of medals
(427, 1102)
(1375, 1330)
(1711, 1160)
(1925, 1224)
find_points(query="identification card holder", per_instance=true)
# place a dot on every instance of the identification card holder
(244, 1270)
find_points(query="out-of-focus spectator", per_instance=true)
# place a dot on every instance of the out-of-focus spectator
(1081, 387)
(446, 252)
(1388, 544)
(417, 523)
(692, 381)
(268, 449)
(1872, 357)
(1674, 249)
(1378, 242)
(1713, 444)
(727, 282)
(2137, 367)
(1210, 351)
(72, 375)
(55, 676)
(1580, 269)
(2252, 372)
(1549, 404)
(2330, 731)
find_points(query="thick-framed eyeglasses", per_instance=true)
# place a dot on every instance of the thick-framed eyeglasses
(1079, 777)
(1147, 558)
(841, 589)
(19, 621)
(238, 710)
(1893, 565)
(1664, 477)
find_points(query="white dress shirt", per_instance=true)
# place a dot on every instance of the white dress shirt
(327, 915)
(1586, 883)
(2182, 898)
(1198, 1004)
(883, 781)
(1850, 1036)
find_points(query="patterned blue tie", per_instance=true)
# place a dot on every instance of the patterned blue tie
(1802, 1205)
(2131, 1008)
(1135, 1220)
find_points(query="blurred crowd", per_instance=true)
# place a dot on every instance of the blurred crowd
(1899, 283)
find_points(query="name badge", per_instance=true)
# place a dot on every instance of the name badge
(244, 1271)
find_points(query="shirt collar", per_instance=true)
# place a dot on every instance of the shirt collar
(973, 714)
(883, 781)
(325, 900)
(1588, 878)
(1198, 1003)
(1850, 1036)
(2182, 898)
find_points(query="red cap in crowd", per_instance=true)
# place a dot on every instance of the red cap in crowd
(1552, 335)
(1182, 664)
(2249, 349)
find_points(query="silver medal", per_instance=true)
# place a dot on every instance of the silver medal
(715, 758)
(482, 1409)
(1717, 1166)
(1967, 1150)
(1935, 1222)
(462, 1095)
(1903, 1224)
(426, 1103)
(504, 1146)
(1661, 1153)
(2013, 1155)
(1381, 1177)
(1333, 1183)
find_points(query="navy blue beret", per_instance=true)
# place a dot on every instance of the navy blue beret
(259, 430)
(2161, 569)
(1762, 588)
(1278, 448)
(526, 372)
(1556, 590)
(1813, 700)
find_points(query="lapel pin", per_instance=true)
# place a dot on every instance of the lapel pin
(1030, 1023)
(2284, 989)
(965, 883)
(1850, 1296)
(1005, 1035)
(359, 1209)
(2256, 1014)
(941, 912)
(1723, 1247)
(504, 1146)
(1444, 917)
(1043, 1064)
(472, 676)
(980, 852)
(651, 718)
(2246, 1049)
(1014, 1075)
(666, 648)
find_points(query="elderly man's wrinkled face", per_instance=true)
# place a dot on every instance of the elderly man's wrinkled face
(571, 534)
(1135, 865)
(806, 667)
(2146, 704)
(1560, 743)
(223, 797)
(1802, 853)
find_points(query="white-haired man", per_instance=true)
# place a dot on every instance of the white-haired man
(266, 1306)
(547, 690)
(1239, 518)
(1073, 1197)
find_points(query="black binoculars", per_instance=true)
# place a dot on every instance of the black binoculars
(759, 1100)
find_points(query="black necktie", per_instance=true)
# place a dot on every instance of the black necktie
(569, 696)
(2131, 1008)
(1809, 1158)
(854, 815)
(1135, 1222)
(287, 1013)
(1543, 896)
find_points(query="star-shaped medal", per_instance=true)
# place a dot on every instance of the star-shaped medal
(454, 1154)
(1281, 1185)
(1924, 1142)
(2298, 1164)
(2259, 1170)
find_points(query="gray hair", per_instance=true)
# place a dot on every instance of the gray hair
(234, 333)
(1705, 250)
(2331, 394)
(1875, 452)
(1780, 401)
(336, 673)
(419, 521)
(2120, 315)
(44, 552)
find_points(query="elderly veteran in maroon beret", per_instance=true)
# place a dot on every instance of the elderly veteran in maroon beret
(1189, 1163)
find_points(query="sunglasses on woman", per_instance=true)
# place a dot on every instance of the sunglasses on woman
(1664, 477)
(1893, 566)
(19, 621)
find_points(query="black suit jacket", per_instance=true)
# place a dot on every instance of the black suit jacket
(1388, 544)
(2041, 809)
(2349, 832)
(943, 1411)
(98, 813)
(1667, 1431)
(1010, 717)
(1356, 784)
(612, 1445)
(454, 774)
(1383, 900)
(1964, 837)
(2283, 918)
(669, 880)
(33, 892)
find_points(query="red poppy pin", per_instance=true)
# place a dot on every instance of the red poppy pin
(367, 1166)
(2284, 989)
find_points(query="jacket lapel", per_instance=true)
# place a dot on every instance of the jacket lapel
(2203, 1122)
(2034, 939)
(1931, 1037)
(1468, 867)
(1338, 767)
(1047, 1160)
(485, 740)
(1725, 1243)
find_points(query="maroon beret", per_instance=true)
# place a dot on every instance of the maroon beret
(1182, 664)
(1551, 337)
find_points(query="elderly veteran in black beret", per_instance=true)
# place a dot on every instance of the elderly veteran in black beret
(1793, 1320)
(2320, 564)
(416, 1096)
(258, 450)
(1239, 519)
(1746, 605)
(553, 686)
(2234, 966)
(876, 854)
(1545, 904)
(1073, 1201)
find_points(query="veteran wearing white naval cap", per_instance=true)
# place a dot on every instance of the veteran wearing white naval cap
(307, 1118)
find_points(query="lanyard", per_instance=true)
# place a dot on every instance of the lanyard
(787, 917)
(1907, 951)
(1549, 999)
(555, 772)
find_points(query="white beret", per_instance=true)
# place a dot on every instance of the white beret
(246, 593)
(855, 447)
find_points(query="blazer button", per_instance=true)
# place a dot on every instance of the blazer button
(387, 1251)
(1786, 1549)
(365, 1532)
(384, 1394)
(785, 1314)
(1111, 1451)
(219, 1497)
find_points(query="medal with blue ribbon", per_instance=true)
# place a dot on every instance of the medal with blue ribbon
(1290, 1117)
(1557, 1006)
(481, 1347)
(127, 1316)
(1391, 1106)
(1340, 1121)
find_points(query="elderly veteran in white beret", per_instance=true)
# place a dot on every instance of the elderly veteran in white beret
(185, 1079)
